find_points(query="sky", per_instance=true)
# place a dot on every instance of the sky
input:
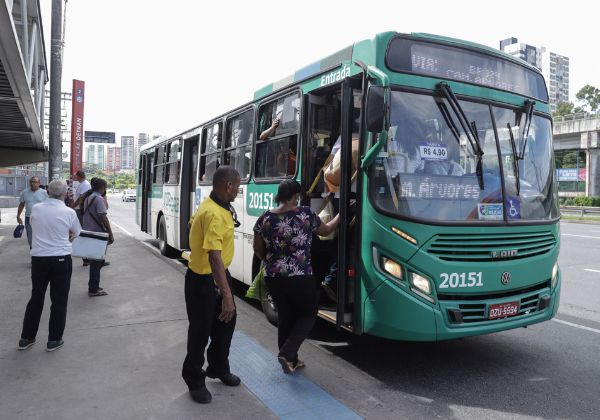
(163, 67)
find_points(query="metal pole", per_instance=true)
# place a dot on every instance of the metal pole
(55, 145)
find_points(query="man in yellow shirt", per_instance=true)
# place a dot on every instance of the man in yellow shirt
(208, 297)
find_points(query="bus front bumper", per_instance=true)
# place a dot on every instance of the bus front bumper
(396, 313)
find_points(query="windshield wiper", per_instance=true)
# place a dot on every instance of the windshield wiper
(513, 145)
(470, 129)
(525, 132)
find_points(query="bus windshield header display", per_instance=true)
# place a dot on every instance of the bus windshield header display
(454, 63)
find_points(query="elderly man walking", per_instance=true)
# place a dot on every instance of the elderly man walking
(30, 197)
(54, 227)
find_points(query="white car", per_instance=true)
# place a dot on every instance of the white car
(129, 195)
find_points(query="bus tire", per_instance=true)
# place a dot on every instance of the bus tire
(163, 246)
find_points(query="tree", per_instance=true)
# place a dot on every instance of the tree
(589, 96)
(564, 108)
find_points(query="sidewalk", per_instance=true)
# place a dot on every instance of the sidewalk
(123, 352)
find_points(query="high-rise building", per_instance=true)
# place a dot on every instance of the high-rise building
(113, 159)
(95, 147)
(95, 155)
(142, 138)
(554, 67)
(128, 156)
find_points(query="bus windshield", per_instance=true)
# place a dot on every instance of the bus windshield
(428, 169)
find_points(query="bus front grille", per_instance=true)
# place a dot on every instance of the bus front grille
(490, 247)
(469, 312)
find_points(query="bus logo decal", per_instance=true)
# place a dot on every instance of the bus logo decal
(507, 253)
(505, 277)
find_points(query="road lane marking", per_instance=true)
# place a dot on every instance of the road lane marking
(580, 236)
(582, 327)
(592, 270)
(292, 396)
(123, 229)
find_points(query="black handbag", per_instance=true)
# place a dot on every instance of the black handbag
(18, 231)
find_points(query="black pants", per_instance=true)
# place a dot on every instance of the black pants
(57, 272)
(203, 305)
(296, 301)
(94, 282)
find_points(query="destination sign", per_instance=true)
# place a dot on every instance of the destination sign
(438, 187)
(464, 65)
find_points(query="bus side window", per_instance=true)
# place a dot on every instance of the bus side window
(238, 142)
(159, 165)
(173, 163)
(276, 152)
(210, 157)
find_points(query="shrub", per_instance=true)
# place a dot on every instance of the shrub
(585, 201)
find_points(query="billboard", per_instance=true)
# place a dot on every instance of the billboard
(77, 126)
(571, 174)
(100, 137)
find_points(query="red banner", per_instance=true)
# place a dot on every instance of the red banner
(77, 126)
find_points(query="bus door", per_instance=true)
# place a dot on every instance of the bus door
(147, 162)
(189, 176)
(332, 129)
(348, 231)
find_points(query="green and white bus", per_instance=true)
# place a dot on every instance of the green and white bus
(455, 231)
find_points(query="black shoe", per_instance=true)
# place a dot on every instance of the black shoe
(105, 263)
(201, 395)
(25, 343)
(228, 379)
(54, 345)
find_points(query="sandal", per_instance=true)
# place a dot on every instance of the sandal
(300, 364)
(97, 293)
(288, 367)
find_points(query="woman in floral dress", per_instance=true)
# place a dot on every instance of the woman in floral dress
(282, 240)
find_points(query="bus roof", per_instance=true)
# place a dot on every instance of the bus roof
(381, 39)
(345, 55)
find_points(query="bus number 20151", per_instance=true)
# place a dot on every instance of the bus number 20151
(457, 280)
(262, 201)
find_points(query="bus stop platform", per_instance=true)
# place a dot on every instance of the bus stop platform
(123, 352)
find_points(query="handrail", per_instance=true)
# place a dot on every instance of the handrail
(582, 210)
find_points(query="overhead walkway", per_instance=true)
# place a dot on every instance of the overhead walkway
(23, 75)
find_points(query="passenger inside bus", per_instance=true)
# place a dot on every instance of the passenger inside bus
(276, 119)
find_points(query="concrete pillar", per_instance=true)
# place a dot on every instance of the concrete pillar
(594, 172)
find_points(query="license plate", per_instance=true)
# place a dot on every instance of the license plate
(503, 310)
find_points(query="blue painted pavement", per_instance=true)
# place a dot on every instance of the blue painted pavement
(288, 396)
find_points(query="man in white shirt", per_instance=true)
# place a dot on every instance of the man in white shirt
(54, 228)
(82, 188)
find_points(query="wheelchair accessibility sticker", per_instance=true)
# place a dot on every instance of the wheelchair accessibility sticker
(513, 208)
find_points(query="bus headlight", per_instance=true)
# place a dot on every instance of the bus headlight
(420, 283)
(554, 275)
(392, 268)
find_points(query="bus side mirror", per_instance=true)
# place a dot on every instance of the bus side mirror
(375, 108)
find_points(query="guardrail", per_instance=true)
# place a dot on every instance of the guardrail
(580, 210)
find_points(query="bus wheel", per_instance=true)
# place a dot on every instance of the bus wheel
(164, 247)
(268, 306)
